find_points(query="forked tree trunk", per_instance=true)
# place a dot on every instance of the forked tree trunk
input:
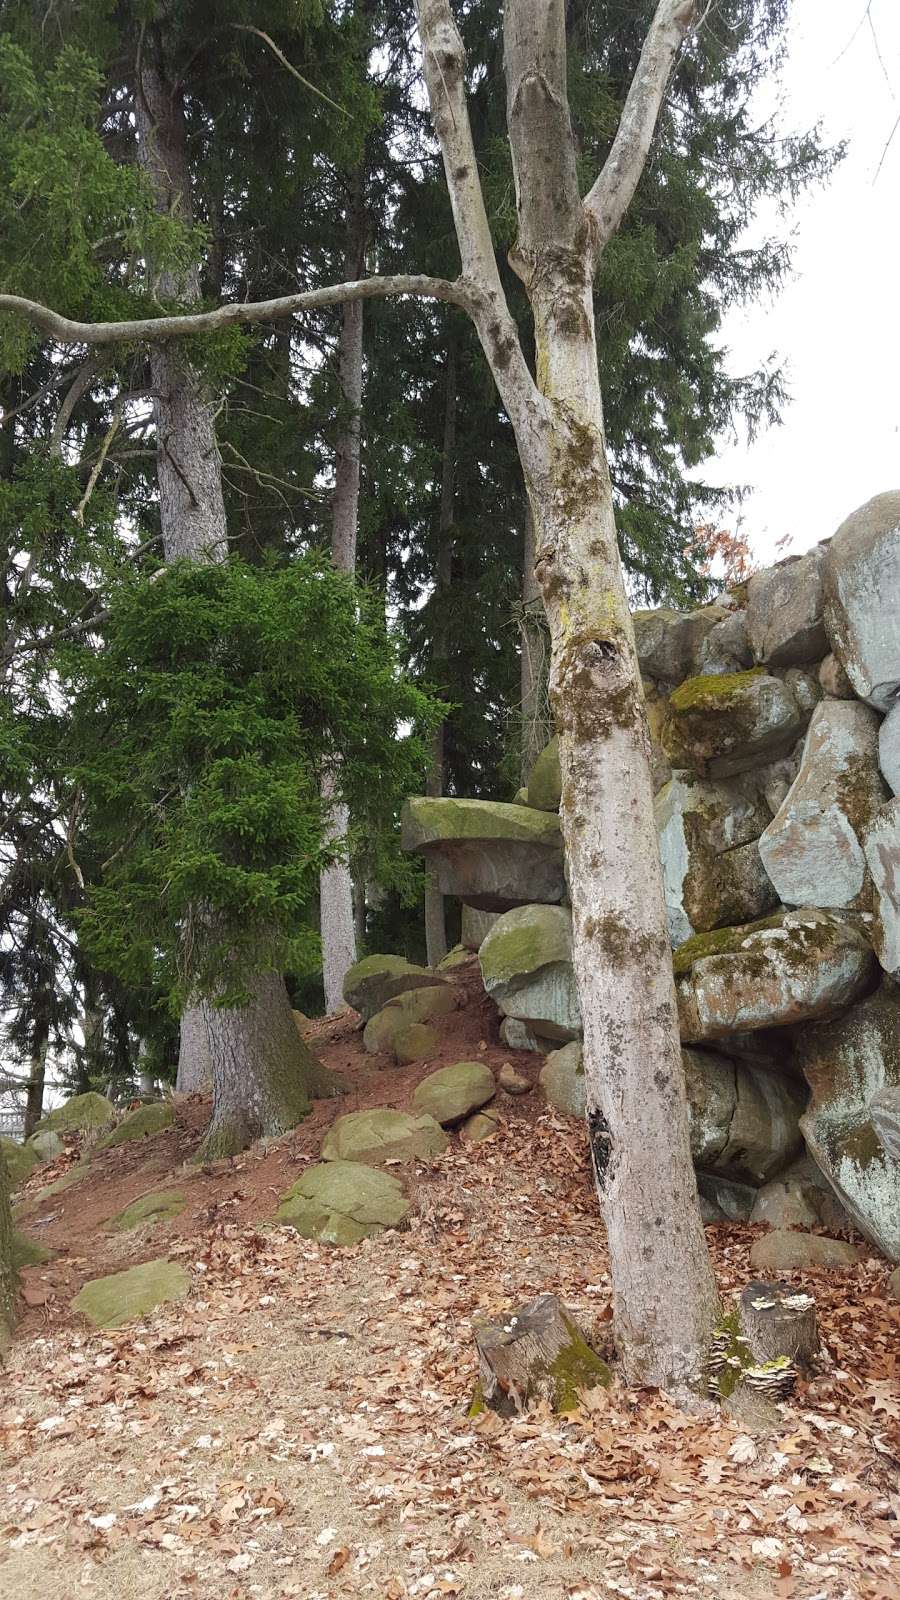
(435, 920)
(260, 1069)
(337, 923)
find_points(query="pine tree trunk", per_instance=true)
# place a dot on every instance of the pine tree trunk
(34, 1093)
(194, 1059)
(533, 660)
(260, 1069)
(435, 921)
(337, 924)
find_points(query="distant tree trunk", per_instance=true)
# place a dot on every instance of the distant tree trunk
(258, 1042)
(435, 928)
(34, 1093)
(337, 923)
(7, 1272)
(535, 649)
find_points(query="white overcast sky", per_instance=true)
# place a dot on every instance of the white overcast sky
(836, 325)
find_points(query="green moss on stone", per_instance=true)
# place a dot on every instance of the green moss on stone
(524, 940)
(141, 1123)
(27, 1252)
(719, 942)
(155, 1207)
(714, 692)
(109, 1302)
(79, 1115)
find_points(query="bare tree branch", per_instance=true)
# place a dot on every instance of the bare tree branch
(243, 27)
(153, 329)
(609, 198)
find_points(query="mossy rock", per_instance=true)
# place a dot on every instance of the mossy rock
(156, 1207)
(381, 1135)
(47, 1145)
(718, 942)
(524, 940)
(418, 1042)
(341, 1202)
(562, 1080)
(439, 820)
(109, 1302)
(418, 1005)
(81, 1114)
(730, 722)
(453, 1092)
(60, 1185)
(784, 1250)
(456, 957)
(21, 1160)
(545, 782)
(142, 1123)
(480, 1126)
(371, 983)
(27, 1252)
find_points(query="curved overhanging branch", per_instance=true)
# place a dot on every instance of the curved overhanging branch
(609, 198)
(67, 331)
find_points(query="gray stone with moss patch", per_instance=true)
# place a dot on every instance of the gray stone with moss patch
(797, 966)
(744, 1124)
(562, 1080)
(158, 1206)
(110, 1302)
(21, 1160)
(847, 1063)
(721, 725)
(375, 980)
(381, 1135)
(785, 603)
(526, 967)
(545, 782)
(419, 1041)
(813, 849)
(453, 1092)
(712, 872)
(491, 854)
(457, 957)
(480, 1126)
(81, 1114)
(669, 642)
(142, 1123)
(415, 1005)
(889, 749)
(26, 1252)
(882, 847)
(47, 1145)
(862, 582)
(341, 1202)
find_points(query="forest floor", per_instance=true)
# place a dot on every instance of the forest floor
(297, 1427)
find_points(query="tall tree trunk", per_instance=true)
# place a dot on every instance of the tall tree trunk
(533, 659)
(260, 1069)
(34, 1092)
(337, 923)
(194, 1059)
(435, 925)
(7, 1272)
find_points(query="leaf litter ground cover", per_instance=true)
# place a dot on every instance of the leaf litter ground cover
(297, 1426)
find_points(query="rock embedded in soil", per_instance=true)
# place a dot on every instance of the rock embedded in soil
(453, 1092)
(27, 1252)
(781, 1251)
(21, 1160)
(417, 1042)
(371, 983)
(862, 582)
(492, 855)
(341, 1202)
(562, 1080)
(148, 1208)
(415, 1005)
(142, 1123)
(380, 1135)
(47, 1145)
(513, 1082)
(110, 1302)
(813, 850)
(480, 1126)
(526, 967)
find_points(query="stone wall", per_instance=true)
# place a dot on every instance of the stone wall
(774, 716)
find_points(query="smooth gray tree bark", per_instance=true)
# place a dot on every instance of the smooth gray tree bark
(533, 660)
(435, 918)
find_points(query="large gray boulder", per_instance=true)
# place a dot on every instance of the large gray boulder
(785, 604)
(712, 873)
(668, 641)
(745, 1125)
(726, 648)
(492, 855)
(453, 1092)
(862, 583)
(848, 1063)
(341, 1202)
(796, 966)
(883, 857)
(719, 725)
(889, 749)
(526, 967)
(381, 1135)
(375, 980)
(813, 849)
(415, 1006)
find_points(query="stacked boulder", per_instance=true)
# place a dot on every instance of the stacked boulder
(774, 717)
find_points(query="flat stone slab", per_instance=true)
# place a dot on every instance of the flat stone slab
(453, 1092)
(148, 1208)
(813, 849)
(142, 1123)
(726, 723)
(786, 1251)
(862, 582)
(797, 966)
(371, 983)
(491, 854)
(341, 1202)
(110, 1302)
(381, 1135)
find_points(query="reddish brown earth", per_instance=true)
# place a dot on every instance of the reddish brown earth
(297, 1426)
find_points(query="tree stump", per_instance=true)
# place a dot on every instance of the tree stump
(765, 1342)
(538, 1352)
